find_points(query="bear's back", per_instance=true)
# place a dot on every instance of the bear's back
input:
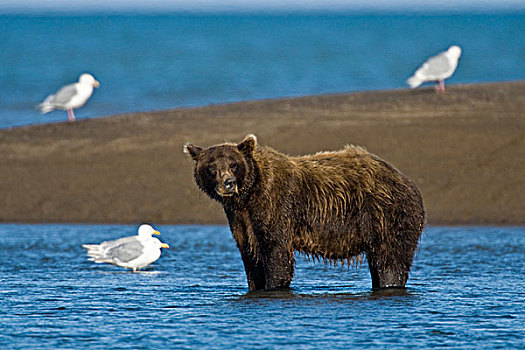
(327, 184)
(350, 168)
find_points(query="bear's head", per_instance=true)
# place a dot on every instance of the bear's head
(225, 170)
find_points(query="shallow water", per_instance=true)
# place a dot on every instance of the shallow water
(466, 291)
(147, 62)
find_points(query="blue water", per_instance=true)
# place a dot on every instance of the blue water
(157, 62)
(466, 291)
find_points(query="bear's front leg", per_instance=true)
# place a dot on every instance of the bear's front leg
(255, 272)
(279, 265)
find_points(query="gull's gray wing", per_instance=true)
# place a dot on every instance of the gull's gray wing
(436, 66)
(126, 249)
(63, 95)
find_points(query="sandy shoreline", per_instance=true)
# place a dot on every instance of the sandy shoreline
(465, 149)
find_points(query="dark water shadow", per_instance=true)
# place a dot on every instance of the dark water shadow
(150, 271)
(291, 294)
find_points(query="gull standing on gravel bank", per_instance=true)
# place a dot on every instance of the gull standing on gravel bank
(133, 252)
(71, 96)
(437, 68)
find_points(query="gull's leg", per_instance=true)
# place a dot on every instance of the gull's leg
(70, 115)
(440, 86)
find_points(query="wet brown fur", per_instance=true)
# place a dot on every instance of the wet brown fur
(332, 206)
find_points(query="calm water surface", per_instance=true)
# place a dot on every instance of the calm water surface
(466, 291)
(157, 62)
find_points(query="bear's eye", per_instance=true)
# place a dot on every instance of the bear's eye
(233, 166)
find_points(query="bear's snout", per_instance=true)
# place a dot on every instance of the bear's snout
(228, 187)
(230, 183)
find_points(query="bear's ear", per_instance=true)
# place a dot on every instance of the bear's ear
(248, 144)
(192, 150)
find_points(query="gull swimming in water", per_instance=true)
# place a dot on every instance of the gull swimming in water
(437, 68)
(71, 96)
(133, 252)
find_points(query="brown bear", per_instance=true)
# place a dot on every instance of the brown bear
(333, 206)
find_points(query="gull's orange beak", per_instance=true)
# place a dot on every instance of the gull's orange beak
(96, 84)
(156, 232)
(164, 245)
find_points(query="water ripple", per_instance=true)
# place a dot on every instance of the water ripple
(465, 291)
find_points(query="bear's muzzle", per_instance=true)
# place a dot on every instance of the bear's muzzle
(228, 187)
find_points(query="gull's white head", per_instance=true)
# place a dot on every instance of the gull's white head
(159, 244)
(454, 51)
(88, 79)
(146, 231)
